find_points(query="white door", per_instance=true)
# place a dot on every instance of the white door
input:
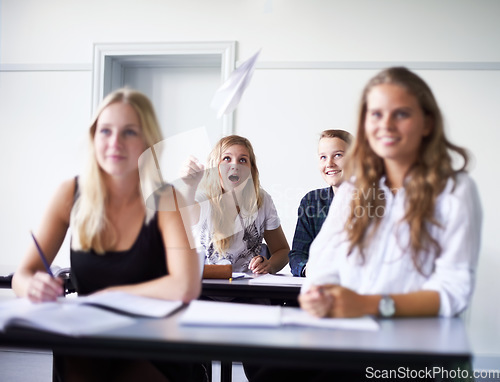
(181, 96)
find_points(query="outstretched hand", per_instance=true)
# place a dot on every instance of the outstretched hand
(191, 172)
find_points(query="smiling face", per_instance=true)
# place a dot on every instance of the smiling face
(331, 153)
(234, 167)
(395, 125)
(118, 139)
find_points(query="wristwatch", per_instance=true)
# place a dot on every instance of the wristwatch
(386, 307)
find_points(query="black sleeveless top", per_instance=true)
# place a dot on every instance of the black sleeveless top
(144, 261)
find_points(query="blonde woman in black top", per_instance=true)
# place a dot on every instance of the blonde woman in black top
(117, 243)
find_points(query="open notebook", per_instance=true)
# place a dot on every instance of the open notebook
(211, 313)
(83, 315)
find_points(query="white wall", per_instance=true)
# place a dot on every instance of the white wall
(46, 52)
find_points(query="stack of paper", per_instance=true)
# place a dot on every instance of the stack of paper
(212, 313)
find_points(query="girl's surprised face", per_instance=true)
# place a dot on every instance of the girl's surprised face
(234, 167)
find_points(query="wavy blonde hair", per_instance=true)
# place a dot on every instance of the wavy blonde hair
(212, 186)
(424, 182)
(88, 216)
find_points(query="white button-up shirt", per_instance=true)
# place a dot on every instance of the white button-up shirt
(388, 266)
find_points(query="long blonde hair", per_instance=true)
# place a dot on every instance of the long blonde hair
(424, 182)
(251, 199)
(88, 216)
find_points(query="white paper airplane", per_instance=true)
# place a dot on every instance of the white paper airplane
(228, 95)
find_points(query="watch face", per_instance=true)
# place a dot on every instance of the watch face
(386, 307)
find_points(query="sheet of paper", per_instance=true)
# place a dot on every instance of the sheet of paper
(129, 304)
(211, 313)
(299, 317)
(239, 275)
(228, 95)
(277, 279)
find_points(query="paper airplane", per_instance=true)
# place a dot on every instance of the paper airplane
(228, 95)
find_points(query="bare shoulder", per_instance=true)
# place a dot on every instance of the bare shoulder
(63, 199)
(67, 187)
(66, 190)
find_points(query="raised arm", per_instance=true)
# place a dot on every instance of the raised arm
(31, 279)
(191, 174)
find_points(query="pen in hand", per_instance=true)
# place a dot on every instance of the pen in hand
(42, 256)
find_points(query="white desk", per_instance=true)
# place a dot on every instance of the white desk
(405, 342)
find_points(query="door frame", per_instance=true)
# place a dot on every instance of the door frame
(111, 60)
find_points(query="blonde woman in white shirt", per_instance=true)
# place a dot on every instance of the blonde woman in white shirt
(402, 236)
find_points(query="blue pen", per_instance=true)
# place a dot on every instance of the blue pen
(236, 277)
(42, 256)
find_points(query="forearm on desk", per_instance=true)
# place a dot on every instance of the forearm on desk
(168, 287)
(347, 303)
(415, 304)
